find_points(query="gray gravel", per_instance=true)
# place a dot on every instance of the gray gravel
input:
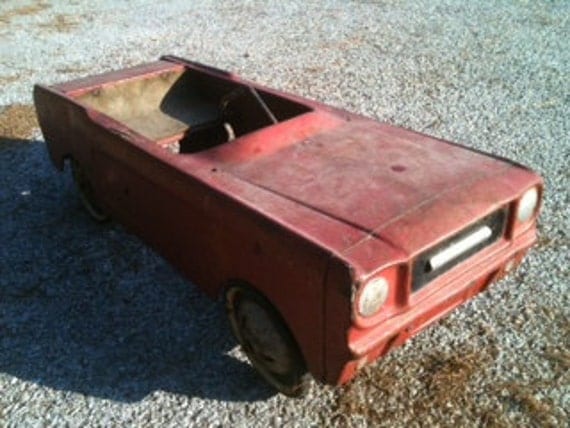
(96, 330)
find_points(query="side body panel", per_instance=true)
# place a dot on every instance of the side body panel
(210, 237)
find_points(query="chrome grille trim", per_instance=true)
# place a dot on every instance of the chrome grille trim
(447, 254)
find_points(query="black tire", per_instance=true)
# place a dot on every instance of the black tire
(266, 340)
(86, 193)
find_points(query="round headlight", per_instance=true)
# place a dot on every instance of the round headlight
(373, 297)
(527, 204)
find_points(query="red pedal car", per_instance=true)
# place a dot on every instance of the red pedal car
(332, 237)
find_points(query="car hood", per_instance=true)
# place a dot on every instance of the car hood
(373, 176)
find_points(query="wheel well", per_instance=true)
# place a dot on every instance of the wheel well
(65, 161)
(224, 289)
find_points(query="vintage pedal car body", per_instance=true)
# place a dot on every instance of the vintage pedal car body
(334, 238)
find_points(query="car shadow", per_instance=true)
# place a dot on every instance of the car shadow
(88, 308)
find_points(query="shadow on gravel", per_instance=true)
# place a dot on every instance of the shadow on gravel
(87, 308)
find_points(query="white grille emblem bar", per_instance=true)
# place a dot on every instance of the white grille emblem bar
(457, 248)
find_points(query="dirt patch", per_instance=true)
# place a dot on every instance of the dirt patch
(32, 9)
(72, 70)
(17, 122)
(314, 69)
(444, 387)
(530, 398)
(346, 44)
(433, 384)
(544, 241)
(6, 80)
(561, 359)
(60, 23)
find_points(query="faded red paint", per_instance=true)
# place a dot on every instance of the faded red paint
(306, 211)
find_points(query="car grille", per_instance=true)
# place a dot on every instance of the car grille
(447, 254)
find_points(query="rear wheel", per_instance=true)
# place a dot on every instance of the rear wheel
(86, 193)
(266, 340)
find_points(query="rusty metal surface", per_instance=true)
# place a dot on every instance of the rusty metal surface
(303, 210)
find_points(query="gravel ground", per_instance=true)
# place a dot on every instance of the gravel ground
(96, 330)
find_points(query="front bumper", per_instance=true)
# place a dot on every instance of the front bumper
(450, 291)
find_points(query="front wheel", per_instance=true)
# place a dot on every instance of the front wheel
(86, 193)
(266, 340)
